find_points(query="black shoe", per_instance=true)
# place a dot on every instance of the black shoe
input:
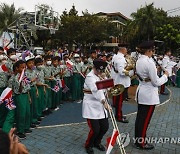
(28, 131)
(39, 119)
(90, 150)
(42, 116)
(100, 147)
(33, 126)
(36, 123)
(49, 111)
(123, 120)
(124, 117)
(21, 135)
(145, 147)
(126, 99)
(164, 93)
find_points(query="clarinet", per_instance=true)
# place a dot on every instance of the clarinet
(163, 71)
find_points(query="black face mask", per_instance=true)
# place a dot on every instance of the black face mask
(85, 62)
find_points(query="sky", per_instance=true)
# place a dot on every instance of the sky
(126, 7)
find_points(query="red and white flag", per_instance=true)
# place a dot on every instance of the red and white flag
(6, 97)
(69, 65)
(62, 83)
(111, 141)
(56, 88)
(7, 93)
(21, 76)
(3, 68)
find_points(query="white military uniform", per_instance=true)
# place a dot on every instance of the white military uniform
(147, 92)
(166, 64)
(92, 107)
(119, 63)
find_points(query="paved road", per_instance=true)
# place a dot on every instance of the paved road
(69, 139)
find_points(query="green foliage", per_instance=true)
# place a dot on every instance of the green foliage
(150, 23)
(8, 14)
(144, 23)
(86, 29)
(169, 35)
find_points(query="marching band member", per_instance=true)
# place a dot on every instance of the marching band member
(120, 76)
(147, 93)
(94, 108)
(165, 64)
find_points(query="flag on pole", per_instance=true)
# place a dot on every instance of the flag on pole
(56, 88)
(69, 66)
(65, 89)
(6, 97)
(21, 76)
(82, 75)
(10, 103)
(3, 68)
(26, 80)
(111, 141)
(61, 83)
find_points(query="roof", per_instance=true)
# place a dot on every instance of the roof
(113, 14)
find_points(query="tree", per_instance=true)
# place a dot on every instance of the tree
(144, 22)
(85, 30)
(8, 14)
(169, 35)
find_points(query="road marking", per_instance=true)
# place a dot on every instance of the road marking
(170, 92)
(61, 125)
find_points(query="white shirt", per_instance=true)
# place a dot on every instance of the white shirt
(147, 92)
(92, 108)
(167, 64)
(119, 63)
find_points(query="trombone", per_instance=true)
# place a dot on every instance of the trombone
(114, 91)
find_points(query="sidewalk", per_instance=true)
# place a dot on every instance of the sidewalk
(69, 139)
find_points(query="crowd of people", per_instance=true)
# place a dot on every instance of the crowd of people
(41, 83)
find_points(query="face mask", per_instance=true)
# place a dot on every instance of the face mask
(49, 63)
(13, 57)
(1, 57)
(4, 61)
(77, 59)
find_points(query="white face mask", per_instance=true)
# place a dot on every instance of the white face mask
(49, 62)
(13, 57)
(1, 57)
(3, 61)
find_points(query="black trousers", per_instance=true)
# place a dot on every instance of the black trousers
(125, 93)
(98, 129)
(143, 118)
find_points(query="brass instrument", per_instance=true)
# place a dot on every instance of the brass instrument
(117, 89)
(131, 64)
(114, 91)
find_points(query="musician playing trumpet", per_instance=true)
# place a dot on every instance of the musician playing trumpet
(94, 107)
